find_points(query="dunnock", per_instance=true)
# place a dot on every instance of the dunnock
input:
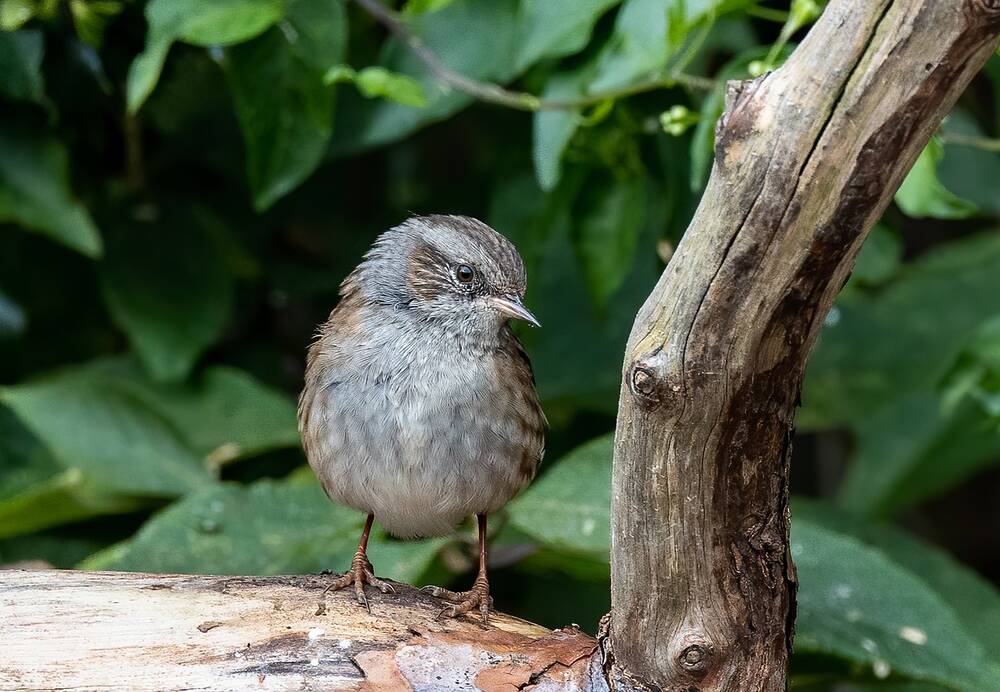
(419, 405)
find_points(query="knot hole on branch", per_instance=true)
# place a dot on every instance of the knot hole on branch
(650, 383)
(695, 659)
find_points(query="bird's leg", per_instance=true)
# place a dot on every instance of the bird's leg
(476, 597)
(361, 571)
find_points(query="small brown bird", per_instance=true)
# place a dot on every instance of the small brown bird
(419, 405)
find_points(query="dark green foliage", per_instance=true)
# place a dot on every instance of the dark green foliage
(184, 183)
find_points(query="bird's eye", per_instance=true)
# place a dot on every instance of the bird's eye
(465, 274)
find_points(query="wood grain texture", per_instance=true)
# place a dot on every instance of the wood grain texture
(807, 158)
(113, 630)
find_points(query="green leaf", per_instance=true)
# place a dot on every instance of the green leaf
(91, 17)
(971, 172)
(976, 602)
(119, 437)
(284, 107)
(555, 28)
(222, 413)
(976, 374)
(902, 340)
(922, 194)
(879, 368)
(880, 257)
(473, 37)
(874, 596)
(575, 499)
(423, 6)
(913, 449)
(21, 66)
(168, 288)
(24, 460)
(144, 72)
(640, 43)
(15, 13)
(268, 527)
(607, 235)
(34, 190)
(318, 35)
(35, 491)
(62, 498)
(117, 444)
(12, 318)
(198, 22)
(376, 82)
(648, 34)
(553, 129)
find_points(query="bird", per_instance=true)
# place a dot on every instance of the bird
(419, 406)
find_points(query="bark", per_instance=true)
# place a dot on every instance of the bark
(807, 158)
(113, 630)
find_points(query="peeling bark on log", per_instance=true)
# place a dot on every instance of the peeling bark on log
(114, 630)
(807, 158)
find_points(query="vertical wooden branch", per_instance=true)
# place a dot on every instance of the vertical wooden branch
(807, 157)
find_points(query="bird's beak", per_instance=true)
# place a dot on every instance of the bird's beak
(513, 307)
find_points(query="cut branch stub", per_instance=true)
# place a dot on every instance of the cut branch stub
(652, 385)
(807, 158)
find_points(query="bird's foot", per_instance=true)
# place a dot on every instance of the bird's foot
(478, 597)
(361, 573)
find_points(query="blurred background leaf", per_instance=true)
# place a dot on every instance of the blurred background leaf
(159, 293)
(922, 194)
(198, 22)
(239, 156)
(21, 66)
(282, 101)
(34, 190)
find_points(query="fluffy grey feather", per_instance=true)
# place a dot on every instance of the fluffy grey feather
(420, 405)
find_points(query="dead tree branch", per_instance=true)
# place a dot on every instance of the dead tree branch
(114, 630)
(807, 158)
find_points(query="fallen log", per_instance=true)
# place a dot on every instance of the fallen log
(97, 630)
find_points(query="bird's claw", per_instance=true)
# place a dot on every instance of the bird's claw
(361, 573)
(478, 597)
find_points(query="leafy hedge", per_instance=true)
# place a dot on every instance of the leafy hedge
(183, 184)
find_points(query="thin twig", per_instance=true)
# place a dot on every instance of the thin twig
(520, 100)
(984, 143)
(767, 13)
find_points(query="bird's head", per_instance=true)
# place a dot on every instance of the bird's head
(448, 270)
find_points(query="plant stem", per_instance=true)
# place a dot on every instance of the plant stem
(984, 143)
(520, 100)
(767, 13)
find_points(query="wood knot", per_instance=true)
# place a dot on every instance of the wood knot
(646, 385)
(694, 658)
(652, 383)
(644, 382)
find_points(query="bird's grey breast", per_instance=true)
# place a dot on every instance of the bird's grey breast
(409, 426)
